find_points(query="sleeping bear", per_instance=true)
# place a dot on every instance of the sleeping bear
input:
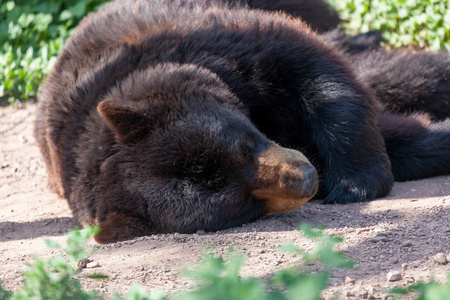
(165, 117)
(318, 14)
(404, 81)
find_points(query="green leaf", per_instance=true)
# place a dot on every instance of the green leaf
(289, 248)
(308, 287)
(10, 5)
(310, 231)
(398, 290)
(51, 244)
(97, 276)
(4, 294)
(79, 9)
(334, 259)
(65, 15)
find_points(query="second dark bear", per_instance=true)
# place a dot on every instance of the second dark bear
(161, 118)
(318, 14)
(403, 81)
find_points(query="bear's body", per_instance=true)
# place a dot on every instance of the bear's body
(408, 82)
(403, 81)
(158, 118)
(318, 14)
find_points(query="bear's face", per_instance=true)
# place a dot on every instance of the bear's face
(194, 161)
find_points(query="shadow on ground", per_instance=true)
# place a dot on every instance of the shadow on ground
(11, 231)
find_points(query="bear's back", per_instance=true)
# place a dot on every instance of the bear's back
(253, 52)
(128, 35)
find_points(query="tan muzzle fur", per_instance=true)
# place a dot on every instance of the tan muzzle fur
(285, 179)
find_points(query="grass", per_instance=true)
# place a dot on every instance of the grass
(33, 32)
(417, 23)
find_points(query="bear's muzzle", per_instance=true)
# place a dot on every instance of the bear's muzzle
(285, 179)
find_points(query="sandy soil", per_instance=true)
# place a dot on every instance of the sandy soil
(402, 232)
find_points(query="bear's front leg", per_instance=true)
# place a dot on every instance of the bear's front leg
(354, 164)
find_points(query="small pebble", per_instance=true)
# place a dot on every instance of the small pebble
(200, 232)
(93, 264)
(364, 294)
(394, 276)
(350, 294)
(377, 239)
(416, 263)
(409, 279)
(440, 259)
(22, 139)
(404, 266)
(407, 244)
(349, 280)
(83, 263)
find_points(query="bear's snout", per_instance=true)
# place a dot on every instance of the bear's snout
(285, 179)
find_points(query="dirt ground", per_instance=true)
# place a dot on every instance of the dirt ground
(408, 232)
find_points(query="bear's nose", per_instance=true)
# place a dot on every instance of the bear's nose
(310, 180)
(298, 179)
(285, 179)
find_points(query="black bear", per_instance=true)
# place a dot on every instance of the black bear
(408, 82)
(165, 117)
(403, 81)
(353, 45)
(318, 14)
(413, 84)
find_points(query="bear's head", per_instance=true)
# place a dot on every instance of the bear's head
(189, 158)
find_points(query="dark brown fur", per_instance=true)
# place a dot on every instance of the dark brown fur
(405, 81)
(162, 117)
(318, 14)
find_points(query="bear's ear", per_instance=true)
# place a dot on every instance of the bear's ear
(126, 124)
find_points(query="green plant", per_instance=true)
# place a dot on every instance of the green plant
(55, 277)
(4, 294)
(32, 34)
(428, 291)
(402, 22)
(221, 278)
